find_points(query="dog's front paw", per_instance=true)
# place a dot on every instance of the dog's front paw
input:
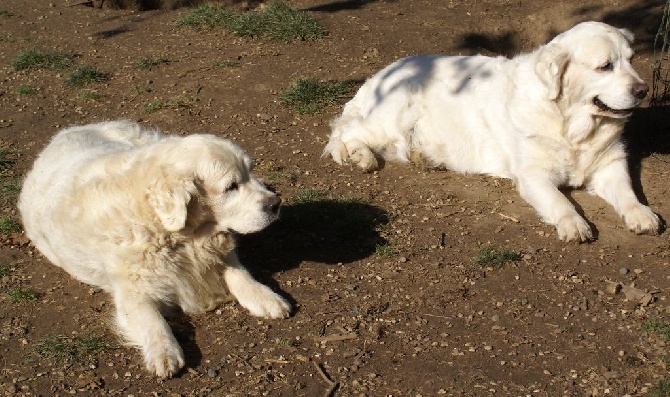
(642, 220)
(164, 359)
(337, 150)
(364, 158)
(574, 228)
(261, 301)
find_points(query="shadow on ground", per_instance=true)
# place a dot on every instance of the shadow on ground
(325, 231)
(646, 134)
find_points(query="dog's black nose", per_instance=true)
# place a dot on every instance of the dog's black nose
(273, 204)
(640, 90)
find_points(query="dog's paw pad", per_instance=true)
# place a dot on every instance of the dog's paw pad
(574, 228)
(164, 361)
(642, 220)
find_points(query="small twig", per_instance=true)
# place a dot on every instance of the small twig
(435, 315)
(336, 338)
(275, 361)
(333, 385)
(323, 374)
(508, 217)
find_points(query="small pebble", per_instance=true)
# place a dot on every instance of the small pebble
(623, 271)
(212, 373)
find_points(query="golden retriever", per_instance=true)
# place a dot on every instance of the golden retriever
(150, 218)
(549, 118)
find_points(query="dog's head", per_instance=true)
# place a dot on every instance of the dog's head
(205, 184)
(589, 66)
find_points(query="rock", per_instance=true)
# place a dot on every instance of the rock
(612, 287)
(637, 295)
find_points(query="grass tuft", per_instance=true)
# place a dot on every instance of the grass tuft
(156, 105)
(285, 341)
(35, 59)
(26, 90)
(309, 96)
(662, 389)
(10, 190)
(278, 21)
(491, 257)
(7, 158)
(62, 349)
(9, 225)
(19, 294)
(660, 328)
(85, 75)
(5, 270)
(89, 96)
(308, 196)
(385, 250)
(149, 62)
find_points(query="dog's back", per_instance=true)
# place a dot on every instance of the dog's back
(48, 185)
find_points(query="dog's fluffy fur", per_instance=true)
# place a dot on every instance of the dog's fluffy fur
(150, 219)
(549, 118)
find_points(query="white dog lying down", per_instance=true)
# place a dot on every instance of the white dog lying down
(150, 219)
(549, 118)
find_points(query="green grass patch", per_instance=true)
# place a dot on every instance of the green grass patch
(84, 75)
(62, 349)
(10, 190)
(7, 158)
(278, 21)
(36, 59)
(156, 105)
(150, 62)
(660, 328)
(662, 389)
(491, 257)
(19, 294)
(308, 196)
(309, 95)
(5, 13)
(90, 96)
(385, 250)
(285, 341)
(9, 225)
(26, 90)
(5, 270)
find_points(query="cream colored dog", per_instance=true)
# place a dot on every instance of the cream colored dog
(150, 219)
(549, 118)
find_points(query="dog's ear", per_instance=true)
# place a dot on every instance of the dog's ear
(551, 64)
(169, 199)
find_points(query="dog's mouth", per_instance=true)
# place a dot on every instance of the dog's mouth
(615, 112)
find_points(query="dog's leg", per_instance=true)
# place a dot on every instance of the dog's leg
(349, 142)
(554, 208)
(259, 299)
(141, 323)
(612, 183)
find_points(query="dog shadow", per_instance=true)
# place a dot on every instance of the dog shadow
(647, 133)
(184, 331)
(328, 231)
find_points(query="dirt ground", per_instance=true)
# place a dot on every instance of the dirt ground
(424, 320)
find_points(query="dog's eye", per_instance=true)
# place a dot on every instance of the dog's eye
(607, 67)
(233, 186)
